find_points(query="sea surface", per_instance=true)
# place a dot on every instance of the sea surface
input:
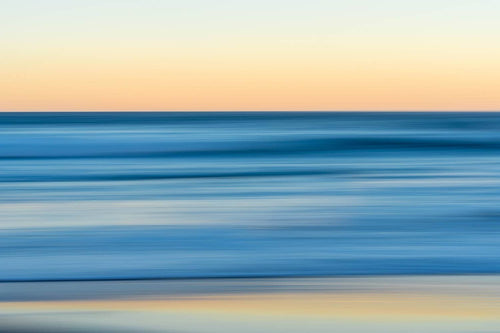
(91, 196)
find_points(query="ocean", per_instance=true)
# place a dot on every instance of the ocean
(158, 195)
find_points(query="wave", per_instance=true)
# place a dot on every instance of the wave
(145, 176)
(372, 144)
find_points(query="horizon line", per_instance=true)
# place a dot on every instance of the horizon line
(248, 111)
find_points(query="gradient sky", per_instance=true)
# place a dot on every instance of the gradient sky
(249, 55)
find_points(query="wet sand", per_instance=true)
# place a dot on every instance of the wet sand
(351, 304)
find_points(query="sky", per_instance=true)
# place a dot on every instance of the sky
(221, 55)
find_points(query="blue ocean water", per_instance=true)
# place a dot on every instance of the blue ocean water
(234, 194)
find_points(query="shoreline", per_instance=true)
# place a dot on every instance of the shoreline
(431, 304)
(144, 288)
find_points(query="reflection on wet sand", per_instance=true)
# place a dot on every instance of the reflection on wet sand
(381, 304)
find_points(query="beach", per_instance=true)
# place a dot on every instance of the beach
(342, 304)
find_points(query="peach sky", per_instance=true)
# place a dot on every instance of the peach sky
(262, 55)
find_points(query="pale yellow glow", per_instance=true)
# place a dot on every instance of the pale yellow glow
(381, 306)
(329, 80)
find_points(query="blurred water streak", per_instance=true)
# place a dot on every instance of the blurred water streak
(159, 195)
